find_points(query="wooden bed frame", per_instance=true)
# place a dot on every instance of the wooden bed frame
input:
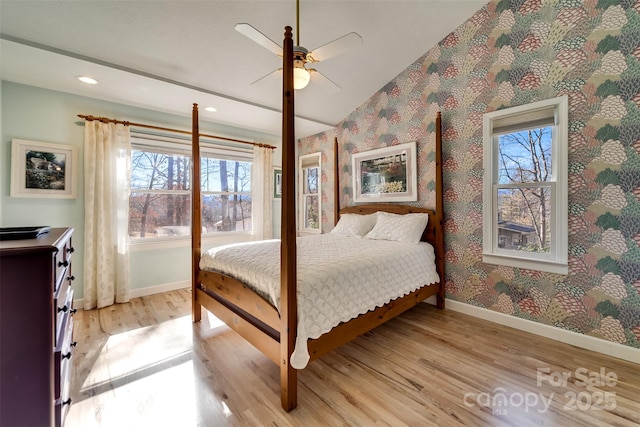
(273, 332)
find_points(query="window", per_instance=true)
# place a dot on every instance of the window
(160, 201)
(525, 186)
(226, 193)
(310, 193)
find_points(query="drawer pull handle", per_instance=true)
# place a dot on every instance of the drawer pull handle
(64, 263)
(66, 356)
(71, 278)
(67, 402)
(73, 311)
(73, 344)
(71, 250)
(63, 309)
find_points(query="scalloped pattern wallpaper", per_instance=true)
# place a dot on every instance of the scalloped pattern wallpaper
(513, 52)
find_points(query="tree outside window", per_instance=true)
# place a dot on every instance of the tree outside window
(226, 195)
(524, 196)
(160, 201)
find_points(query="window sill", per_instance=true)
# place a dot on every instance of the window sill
(308, 231)
(185, 241)
(527, 263)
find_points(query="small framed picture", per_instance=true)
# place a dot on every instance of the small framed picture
(387, 174)
(43, 170)
(277, 183)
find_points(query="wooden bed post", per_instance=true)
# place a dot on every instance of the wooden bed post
(440, 211)
(288, 279)
(336, 183)
(196, 221)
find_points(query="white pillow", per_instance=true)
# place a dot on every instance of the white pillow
(354, 224)
(401, 228)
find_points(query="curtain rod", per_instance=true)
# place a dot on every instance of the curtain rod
(186, 132)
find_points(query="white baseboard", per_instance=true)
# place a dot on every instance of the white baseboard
(143, 292)
(587, 342)
(151, 290)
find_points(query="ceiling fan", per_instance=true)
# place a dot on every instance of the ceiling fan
(301, 56)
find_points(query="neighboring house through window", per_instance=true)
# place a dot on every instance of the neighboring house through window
(525, 186)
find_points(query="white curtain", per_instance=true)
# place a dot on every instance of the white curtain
(261, 192)
(107, 171)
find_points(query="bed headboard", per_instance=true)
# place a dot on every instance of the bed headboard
(432, 234)
(429, 234)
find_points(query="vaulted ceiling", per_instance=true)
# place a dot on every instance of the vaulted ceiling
(166, 55)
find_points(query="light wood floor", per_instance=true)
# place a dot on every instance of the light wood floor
(145, 364)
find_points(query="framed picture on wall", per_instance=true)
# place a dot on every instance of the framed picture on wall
(43, 170)
(387, 174)
(277, 183)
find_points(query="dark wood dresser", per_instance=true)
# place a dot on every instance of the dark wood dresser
(36, 329)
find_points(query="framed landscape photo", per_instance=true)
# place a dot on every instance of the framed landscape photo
(277, 183)
(387, 174)
(40, 169)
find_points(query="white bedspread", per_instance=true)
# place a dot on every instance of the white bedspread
(339, 277)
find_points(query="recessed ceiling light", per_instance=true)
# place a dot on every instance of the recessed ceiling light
(211, 109)
(87, 80)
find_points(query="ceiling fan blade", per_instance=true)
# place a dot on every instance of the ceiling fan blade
(336, 47)
(255, 35)
(269, 76)
(323, 81)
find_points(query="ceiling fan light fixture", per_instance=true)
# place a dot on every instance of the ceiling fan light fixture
(301, 77)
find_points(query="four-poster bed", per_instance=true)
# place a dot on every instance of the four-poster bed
(274, 330)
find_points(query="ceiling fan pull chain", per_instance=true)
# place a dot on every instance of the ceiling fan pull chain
(298, 23)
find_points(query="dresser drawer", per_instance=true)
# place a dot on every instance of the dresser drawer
(60, 411)
(61, 263)
(62, 360)
(62, 307)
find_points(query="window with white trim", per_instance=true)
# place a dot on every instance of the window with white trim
(226, 191)
(310, 193)
(160, 201)
(525, 186)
